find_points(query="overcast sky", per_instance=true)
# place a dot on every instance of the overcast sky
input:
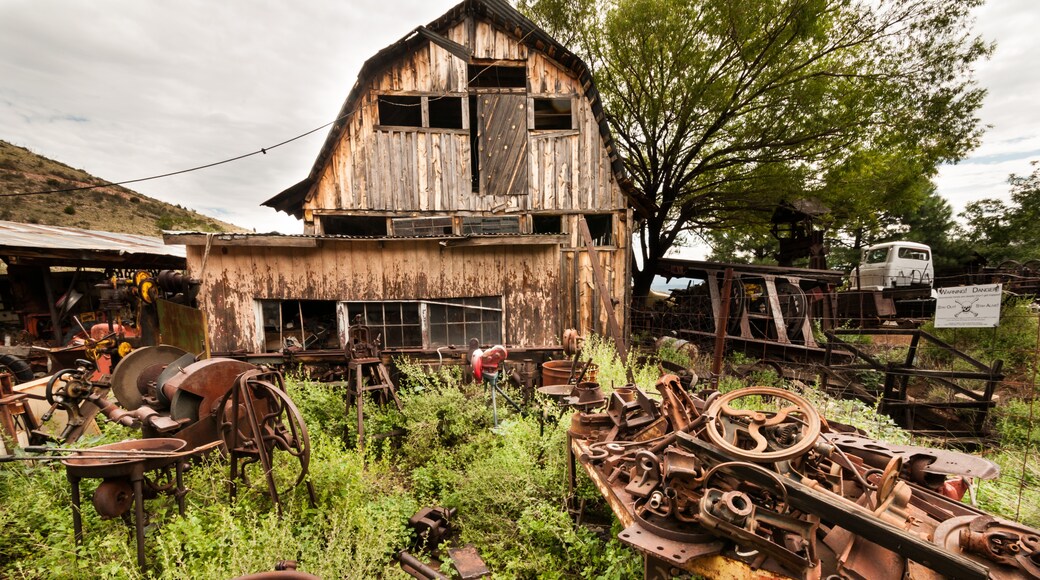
(131, 88)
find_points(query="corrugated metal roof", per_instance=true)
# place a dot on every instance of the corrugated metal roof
(40, 238)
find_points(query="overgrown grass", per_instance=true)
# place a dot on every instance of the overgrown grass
(508, 484)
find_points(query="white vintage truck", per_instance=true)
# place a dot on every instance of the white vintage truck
(893, 265)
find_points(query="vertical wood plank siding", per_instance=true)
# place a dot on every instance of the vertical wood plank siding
(527, 277)
(379, 170)
(428, 171)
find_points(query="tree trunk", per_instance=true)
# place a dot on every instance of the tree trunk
(641, 281)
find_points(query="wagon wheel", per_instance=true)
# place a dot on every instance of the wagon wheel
(793, 306)
(1031, 268)
(763, 436)
(265, 434)
(1009, 266)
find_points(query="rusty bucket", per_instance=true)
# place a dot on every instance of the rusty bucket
(557, 372)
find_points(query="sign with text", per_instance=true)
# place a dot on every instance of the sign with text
(968, 306)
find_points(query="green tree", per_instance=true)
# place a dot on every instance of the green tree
(1007, 231)
(721, 109)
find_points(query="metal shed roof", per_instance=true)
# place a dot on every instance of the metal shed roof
(22, 243)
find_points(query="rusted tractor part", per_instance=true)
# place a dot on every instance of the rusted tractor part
(922, 465)
(74, 392)
(572, 342)
(265, 435)
(196, 394)
(130, 470)
(416, 568)
(763, 436)
(1005, 543)
(585, 396)
(432, 526)
(135, 378)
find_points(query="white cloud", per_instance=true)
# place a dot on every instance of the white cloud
(1012, 79)
(131, 88)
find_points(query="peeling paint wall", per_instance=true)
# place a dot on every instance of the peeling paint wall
(527, 277)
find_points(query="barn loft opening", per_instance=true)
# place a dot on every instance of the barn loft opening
(492, 76)
(546, 224)
(342, 225)
(400, 111)
(474, 145)
(553, 114)
(600, 228)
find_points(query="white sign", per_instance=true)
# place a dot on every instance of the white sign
(968, 306)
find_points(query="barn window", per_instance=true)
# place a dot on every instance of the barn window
(400, 111)
(491, 76)
(428, 111)
(546, 224)
(456, 320)
(553, 114)
(431, 323)
(432, 226)
(490, 225)
(390, 324)
(298, 324)
(445, 112)
(600, 228)
(342, 225)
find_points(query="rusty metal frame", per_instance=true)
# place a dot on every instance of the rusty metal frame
(894, 399)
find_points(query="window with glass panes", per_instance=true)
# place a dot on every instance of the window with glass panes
(397, 324)
(456, 320)
(431, 323)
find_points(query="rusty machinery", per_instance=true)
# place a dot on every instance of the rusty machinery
(166, 392)
(756, 479)
(180, 403)
(170, 394)
(366, 373)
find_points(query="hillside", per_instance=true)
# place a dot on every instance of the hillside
(110, 208)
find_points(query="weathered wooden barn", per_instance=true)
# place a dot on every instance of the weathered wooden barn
(444, 205)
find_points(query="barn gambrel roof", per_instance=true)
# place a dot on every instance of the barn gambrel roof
(499, 13)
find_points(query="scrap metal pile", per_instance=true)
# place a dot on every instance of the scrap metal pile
(758, 479)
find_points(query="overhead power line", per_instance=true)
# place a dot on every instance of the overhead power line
(261, 151)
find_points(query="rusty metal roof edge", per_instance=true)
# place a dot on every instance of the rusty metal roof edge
(45, 237)
(198, 238)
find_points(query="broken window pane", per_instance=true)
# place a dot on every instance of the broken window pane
(600, 227)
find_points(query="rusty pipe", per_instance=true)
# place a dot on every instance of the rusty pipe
(417, 568)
